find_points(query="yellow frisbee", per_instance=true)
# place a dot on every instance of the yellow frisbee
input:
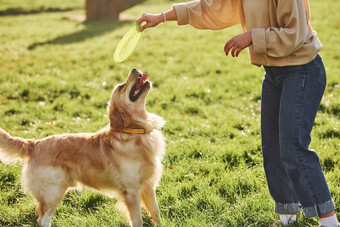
(128, 44)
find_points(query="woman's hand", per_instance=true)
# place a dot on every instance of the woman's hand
(238, 43)
(152, 20)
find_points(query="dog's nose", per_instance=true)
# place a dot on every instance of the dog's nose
(136, 72)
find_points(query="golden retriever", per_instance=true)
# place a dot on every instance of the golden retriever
(122, 159)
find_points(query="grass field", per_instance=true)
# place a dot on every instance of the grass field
(10, 7)
(56, 76)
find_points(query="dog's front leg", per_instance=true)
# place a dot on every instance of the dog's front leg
(133, 203)
(150, 203)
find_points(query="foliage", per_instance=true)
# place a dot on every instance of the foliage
(57, 75)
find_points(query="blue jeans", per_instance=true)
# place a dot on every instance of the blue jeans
(290, 98)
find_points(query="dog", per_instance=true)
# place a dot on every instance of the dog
(122, 160)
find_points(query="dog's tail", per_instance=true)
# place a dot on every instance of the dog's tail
(13, 149)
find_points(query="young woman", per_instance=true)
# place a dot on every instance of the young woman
(280, 38)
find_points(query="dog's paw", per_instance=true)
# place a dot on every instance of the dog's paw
(156, 221)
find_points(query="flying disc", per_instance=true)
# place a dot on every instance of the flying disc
(128, 44)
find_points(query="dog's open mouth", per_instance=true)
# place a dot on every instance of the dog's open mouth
(139, 87)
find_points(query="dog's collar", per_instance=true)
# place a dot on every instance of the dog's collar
(135, 130)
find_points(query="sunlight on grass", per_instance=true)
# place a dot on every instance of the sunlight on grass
(57, 75)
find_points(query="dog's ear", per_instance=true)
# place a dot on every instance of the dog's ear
(116, 121)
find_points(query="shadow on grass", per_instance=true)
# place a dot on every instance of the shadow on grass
(91, 30)
(22, 11)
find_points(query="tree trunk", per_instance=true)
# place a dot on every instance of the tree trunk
(107, 9)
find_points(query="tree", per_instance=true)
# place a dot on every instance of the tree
(107, 9)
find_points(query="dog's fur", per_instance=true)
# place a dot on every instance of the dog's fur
(127, 166)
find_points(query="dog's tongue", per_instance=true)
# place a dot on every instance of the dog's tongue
(141, 80)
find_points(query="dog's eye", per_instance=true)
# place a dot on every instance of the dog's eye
(121, 87)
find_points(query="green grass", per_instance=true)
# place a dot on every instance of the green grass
(10, 7)
(56, 76)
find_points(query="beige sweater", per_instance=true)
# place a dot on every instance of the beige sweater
(281, 31)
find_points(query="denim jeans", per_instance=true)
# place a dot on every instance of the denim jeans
(290, 98)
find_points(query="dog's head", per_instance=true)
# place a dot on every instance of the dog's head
(127, 105)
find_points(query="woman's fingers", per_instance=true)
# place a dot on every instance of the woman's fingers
(237, 44)
(141, 19)
(145, 26)
(238, 51)
(228, 46)
(151, 20)
(233, 48)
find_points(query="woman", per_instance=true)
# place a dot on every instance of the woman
(281, 39)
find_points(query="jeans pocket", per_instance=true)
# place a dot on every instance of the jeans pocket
(320, 70)
(322, 78)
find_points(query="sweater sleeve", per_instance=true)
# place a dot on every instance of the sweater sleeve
(290, 34)
(208, 14)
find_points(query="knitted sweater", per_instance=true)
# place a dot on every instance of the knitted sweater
(281, 30)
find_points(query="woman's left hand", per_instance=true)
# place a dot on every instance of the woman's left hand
(238, 43)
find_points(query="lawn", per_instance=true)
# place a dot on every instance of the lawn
(8, 7)
(56, 76)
